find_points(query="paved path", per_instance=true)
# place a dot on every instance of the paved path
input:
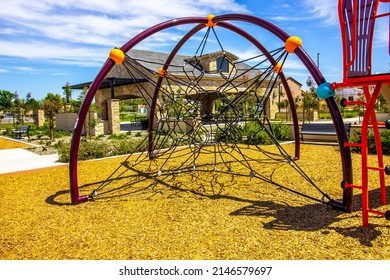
(13, 160)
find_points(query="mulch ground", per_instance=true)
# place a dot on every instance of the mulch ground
(9, 144)
(186, 216)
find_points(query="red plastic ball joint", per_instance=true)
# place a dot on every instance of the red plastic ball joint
(333, 86)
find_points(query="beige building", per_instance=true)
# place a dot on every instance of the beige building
(205, 80)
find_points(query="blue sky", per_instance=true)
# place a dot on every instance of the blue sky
(45, 44)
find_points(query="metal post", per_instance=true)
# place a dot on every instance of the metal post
(318, 60)
(280, 91)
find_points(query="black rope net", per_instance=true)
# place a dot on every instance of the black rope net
(204, 135)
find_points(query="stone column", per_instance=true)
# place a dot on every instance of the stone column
(39, 118)
(207, 107)
(113, 116)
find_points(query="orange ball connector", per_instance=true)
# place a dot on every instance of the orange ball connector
(292, 43)
(278, 68)
(162, 72)
(117, 55)
(210, 22)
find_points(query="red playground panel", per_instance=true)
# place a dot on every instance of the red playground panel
(357, 23)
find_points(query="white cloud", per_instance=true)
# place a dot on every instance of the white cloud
(63, 54)
(294, 64)
(381, 33)
(26, 69)
(324, 10)
(72, 30)
(60, 74)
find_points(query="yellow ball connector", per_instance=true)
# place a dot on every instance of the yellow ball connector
(210, 22)
(292, 43)
(117, 55)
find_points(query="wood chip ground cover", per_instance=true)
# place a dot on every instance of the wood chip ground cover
(7, 144)
(204, 216)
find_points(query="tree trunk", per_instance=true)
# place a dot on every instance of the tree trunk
(52, 129)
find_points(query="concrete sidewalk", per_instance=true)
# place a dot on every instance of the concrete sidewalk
(14, 160)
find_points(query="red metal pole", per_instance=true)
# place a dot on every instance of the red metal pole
(378, 143)
(369, 114)
(364, 155)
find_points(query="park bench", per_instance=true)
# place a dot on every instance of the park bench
(325, 129)
(22, 130)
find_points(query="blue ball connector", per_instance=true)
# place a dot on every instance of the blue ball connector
(324, 91)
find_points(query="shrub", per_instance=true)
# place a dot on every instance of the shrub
(280, 131)
(385, 140)
(8, 132)
(121, 136)
(253, 134)
(256, 135)
(121, 147)
(87, 150)
(63, 149)
(97, 148)
(94, 149)
(61, 133)
(259, 138)
(231, 133)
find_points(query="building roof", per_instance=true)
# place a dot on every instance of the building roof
(107, 83)
(295, 81)
(181, 65)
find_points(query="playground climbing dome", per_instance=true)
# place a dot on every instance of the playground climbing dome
(188, 136)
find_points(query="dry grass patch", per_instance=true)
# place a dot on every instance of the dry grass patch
(205, 216)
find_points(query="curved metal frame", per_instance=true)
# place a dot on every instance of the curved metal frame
(257, 44)
(306, 60)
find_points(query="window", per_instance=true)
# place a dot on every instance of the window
(222, 64)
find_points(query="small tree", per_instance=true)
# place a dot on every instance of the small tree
(30, 103)
(6, 100)
(90, 122)
(15, 109)
(51, 106)
(283, 105)
(67, 94)
(382, 104)
(27, 105)
(76, 103)
(310, 100)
